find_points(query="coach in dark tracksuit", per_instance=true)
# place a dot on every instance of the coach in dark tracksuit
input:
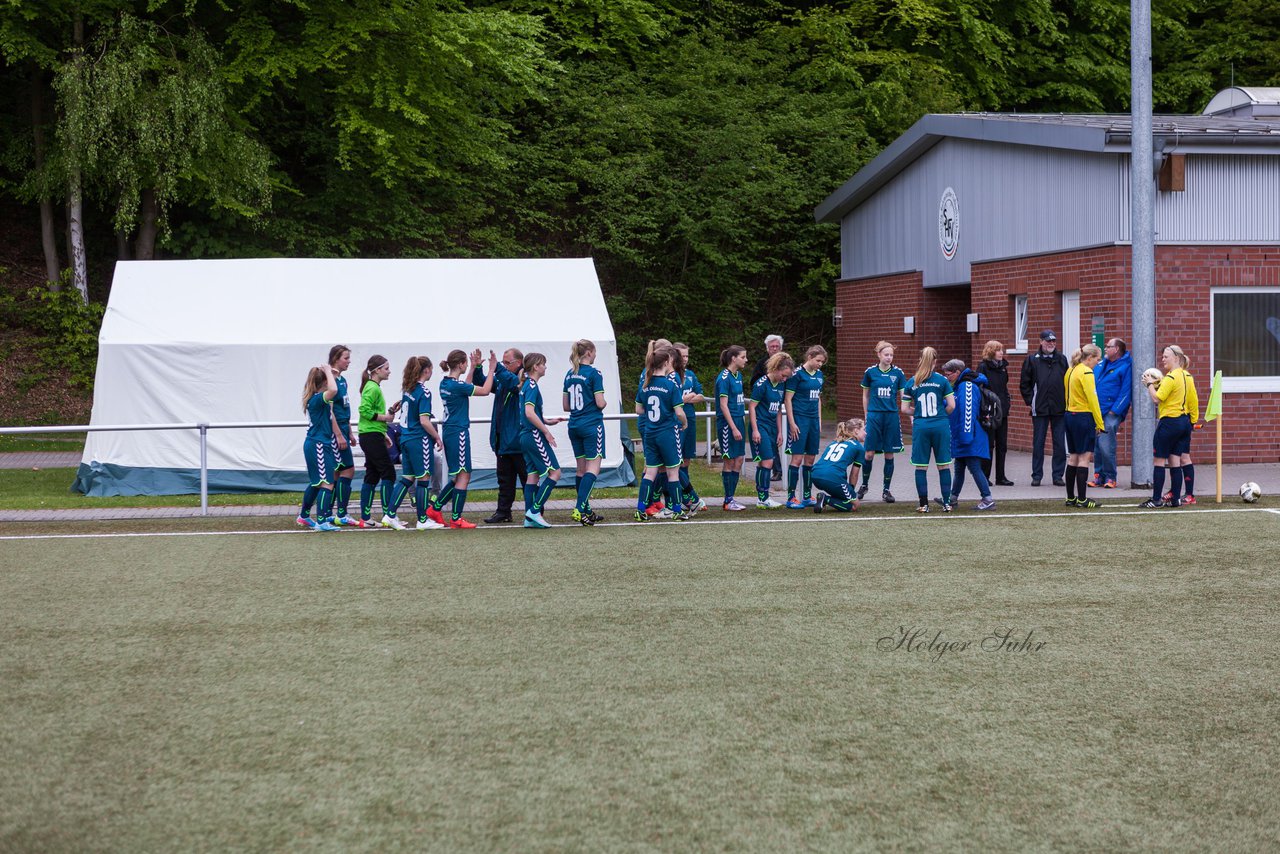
(1043, 389)
(504, 430)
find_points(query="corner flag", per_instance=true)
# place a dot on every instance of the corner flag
(1214, 409)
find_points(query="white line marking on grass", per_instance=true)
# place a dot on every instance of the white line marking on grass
(777, 519)
(144, 534)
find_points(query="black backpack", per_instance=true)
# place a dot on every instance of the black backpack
(990, 409)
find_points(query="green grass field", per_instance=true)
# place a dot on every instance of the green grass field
(695, 686)
(50, 489)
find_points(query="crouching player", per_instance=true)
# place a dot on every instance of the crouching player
(831, 471)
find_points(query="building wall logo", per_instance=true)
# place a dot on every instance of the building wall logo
(949, 223)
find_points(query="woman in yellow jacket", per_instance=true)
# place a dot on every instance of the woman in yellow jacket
(1178, 407)
(1083, 423)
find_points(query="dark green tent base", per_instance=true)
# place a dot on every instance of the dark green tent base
(106, 479)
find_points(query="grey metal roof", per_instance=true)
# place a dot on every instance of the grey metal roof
(1074, 132)
(1230, 100)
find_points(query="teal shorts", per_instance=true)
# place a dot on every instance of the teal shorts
(931, 439)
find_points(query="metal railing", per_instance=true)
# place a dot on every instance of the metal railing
(204, 427)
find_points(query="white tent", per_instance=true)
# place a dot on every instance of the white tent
(231, 342)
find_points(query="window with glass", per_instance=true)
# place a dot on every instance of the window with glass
(1020, 322)
(1246, 338)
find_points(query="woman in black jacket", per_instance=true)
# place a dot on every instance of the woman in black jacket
(995, 368)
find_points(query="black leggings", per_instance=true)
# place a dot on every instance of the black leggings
(377, 462)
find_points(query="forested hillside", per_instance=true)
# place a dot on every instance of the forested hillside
(681, 144)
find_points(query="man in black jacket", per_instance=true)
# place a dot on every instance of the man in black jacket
(1043, 374)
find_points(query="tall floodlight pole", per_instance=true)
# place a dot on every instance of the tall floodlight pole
(1142, 202)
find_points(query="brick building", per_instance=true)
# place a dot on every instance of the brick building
(1009, 224)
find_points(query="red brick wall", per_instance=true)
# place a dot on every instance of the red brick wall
(1101, 276)
(944, 324)
(873, 310)
(1184, 276)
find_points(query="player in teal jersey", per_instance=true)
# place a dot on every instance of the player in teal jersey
(339, 361)
(731, 424)
(928, 396)
(881, 401)
(318, 450)
(663, 415)
(764, 410)
(642, 425)
(537, 443)
(455, 398)
(803, 402)
(585, 402)
(831, 471)
(691, 395)
(418, 441)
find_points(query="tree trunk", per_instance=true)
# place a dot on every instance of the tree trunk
(123, 253)
(144, 248)
(75, 225)
(75, 204)
(52, 266)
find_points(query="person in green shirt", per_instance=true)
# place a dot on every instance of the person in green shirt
(379, 471)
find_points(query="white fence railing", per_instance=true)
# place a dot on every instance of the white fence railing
(204, 428)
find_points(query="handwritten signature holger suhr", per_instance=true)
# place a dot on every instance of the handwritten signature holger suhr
(934, 643)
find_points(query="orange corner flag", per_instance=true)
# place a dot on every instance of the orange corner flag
(1214, 409)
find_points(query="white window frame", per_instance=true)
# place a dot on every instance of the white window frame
(1236, 385)
(1020, 323)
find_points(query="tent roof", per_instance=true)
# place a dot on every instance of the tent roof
(296, 300)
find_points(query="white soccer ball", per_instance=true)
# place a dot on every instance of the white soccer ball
(1250, 491)
(1151, 376)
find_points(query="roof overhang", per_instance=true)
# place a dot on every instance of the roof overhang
(1110, 134)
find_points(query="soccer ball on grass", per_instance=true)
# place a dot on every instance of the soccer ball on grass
(1250, 492)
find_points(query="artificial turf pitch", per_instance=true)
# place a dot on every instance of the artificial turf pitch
(659, 686)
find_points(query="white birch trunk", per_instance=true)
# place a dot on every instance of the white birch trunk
(75, 226)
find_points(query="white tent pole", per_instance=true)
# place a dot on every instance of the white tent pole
(204, 469)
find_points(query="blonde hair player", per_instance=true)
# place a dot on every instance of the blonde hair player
(660, 402)
(1178, 406)
(831, 472)
(1083, 423)
(318, 448)
(803, 402)
(881, 399)
(929, 398)
(584, 400)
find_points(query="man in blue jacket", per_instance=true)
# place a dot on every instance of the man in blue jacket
(1112, 377)
(504, 430)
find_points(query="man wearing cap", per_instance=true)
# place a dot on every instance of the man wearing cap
(1044, 390)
